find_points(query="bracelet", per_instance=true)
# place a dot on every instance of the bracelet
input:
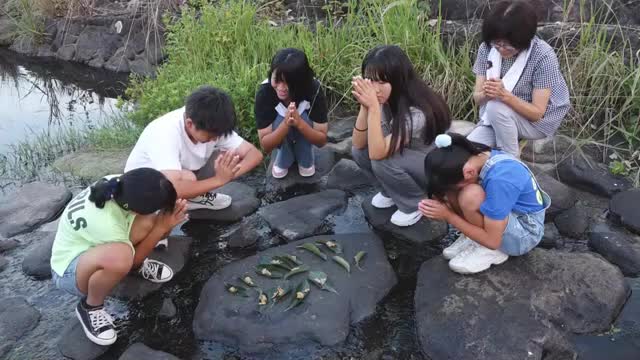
(362, 130)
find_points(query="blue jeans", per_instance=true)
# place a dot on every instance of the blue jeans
(67, 282)
(294, 148)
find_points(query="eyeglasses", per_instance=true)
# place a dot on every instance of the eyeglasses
(502, 45)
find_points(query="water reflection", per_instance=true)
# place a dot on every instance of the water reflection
(44, 95)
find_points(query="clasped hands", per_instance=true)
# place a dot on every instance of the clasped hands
(435, 209)
(494, 90)
(364, 92)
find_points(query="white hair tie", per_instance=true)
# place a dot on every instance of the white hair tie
(443, 141)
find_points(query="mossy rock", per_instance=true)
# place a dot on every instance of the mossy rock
(92, 165)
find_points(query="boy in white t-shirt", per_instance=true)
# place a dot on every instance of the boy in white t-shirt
(182, 141)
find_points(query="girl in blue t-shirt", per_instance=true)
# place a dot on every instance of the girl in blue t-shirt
(490, 196)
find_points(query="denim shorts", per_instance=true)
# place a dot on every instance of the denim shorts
(523, 233)
(67, 282)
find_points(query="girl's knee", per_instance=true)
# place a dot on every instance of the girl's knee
(471, 197)
(117, 259)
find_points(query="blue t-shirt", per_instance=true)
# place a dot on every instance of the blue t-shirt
(509, 187)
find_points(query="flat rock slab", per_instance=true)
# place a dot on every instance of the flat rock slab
(340, 129)
(140, 351)
(244, 202)
(342, 149)
(423, 232)
(93, 165)
(303, 216)
(562, 196)
(347, 176)
(462, 127)
(7, 245)
(135, 287)
(31, 206)
(619, 249)
(324, 158)
(37, 262)
(323, 318)
(573, 222)
(581, 171)
(245, 233)
(625, 208)
(548, 150)
(522, 309)
(74, 344)
(17, 318)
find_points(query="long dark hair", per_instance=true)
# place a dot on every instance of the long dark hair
(142, 190)
(388, 63)
(443, 166)
(292, 67)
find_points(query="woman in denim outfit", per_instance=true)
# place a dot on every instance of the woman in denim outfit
(490, 196)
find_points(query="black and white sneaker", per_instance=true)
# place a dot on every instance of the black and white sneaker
(155, 271)
(209, 201)
(97, 324)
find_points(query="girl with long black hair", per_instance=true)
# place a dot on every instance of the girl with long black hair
(400, 116)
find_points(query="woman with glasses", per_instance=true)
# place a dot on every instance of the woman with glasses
(519, 87)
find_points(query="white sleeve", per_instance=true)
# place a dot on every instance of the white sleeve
(230, 142)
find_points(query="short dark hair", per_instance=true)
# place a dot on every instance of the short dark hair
(292, 67)
(211, 110)
(443, 166)
(515, 21)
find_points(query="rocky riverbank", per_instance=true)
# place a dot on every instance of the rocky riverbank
(574, 286)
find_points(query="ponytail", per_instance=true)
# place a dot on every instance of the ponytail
(443, 166)
(104, 190)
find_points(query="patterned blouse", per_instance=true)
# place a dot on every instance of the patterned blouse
(541, 72)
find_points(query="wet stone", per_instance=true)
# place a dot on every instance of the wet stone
(543, 296)
(324, 318)
(3, 263)
(324, 160)
(305, 215)
(625, 208)
(134, 287)
(340, 129)
(140, 351)
(551, 238)
(620, 249)
(423, 232)
(244, 202)
(581, 171)
(347, 176)
(30, 206)
(75, 345)
(573, 222)
(562, 196)
(37, 262)
(17, 318)
(7, 245)
(246, 233)
(168, 309)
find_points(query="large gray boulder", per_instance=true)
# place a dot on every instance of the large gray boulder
(245, 233)
(75, 345)
(347, 176)
(340, 129)
(37, 262)
(424, 232)
(8, 244)
(324, 160)
(134, 287)
(562, 196)
(140, 351)
(341, 149)
(573, 223)
(324, 318)
(619, 248)
(92, 165)
(17, 318)
(548, 150)
(625, 208)
(305, 215)
(522, 309)
(581, 171)
(244, 202)
(30, 206)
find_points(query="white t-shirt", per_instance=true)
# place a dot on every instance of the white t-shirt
(165, 145)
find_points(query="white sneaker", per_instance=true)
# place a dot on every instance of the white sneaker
(476, 258)
(279, 173)
(382, 202)
(307, 172)
(400, 218)
(457, 247)
(163, 244)
(209, 201)
(155, 271)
